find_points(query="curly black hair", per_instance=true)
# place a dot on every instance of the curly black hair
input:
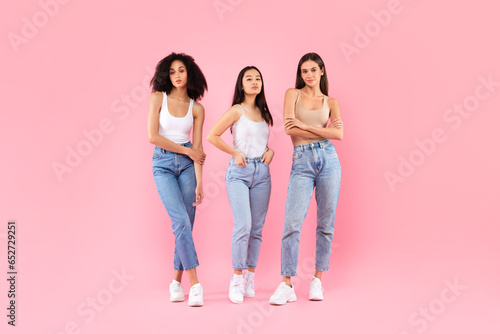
(196, 85)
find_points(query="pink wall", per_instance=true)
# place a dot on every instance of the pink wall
(416, 241)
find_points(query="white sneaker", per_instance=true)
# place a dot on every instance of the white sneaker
(283, 294)
(315, 289)
(249, 284)
(196, 295)
(176, 292)
(236, 289)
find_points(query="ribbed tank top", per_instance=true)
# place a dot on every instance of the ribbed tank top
(318, 118)
(176, 129)
(250, 137)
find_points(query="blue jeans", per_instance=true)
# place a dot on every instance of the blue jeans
(315, 165)
(176, 183)
(248, 190)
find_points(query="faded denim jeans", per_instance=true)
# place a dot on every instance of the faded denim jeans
(248, 190)
(176, 183)
(315, 165)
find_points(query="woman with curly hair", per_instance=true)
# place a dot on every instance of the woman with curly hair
(177, 84)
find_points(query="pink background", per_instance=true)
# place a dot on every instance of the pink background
(397, 248)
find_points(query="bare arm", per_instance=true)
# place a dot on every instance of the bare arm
(267, 157)
(198, 119)
(155, 102)
(289, 113)
(226, 120)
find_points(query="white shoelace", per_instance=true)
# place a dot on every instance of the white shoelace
(250, 282)
(282, 290)
(239, 285)
(316, 282)
(176, 287)
(196, 291)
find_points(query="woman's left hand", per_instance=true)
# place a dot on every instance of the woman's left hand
(199, 195)
(294, 123)
(267, 157)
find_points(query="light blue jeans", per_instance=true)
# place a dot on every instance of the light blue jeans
(248, 190)
(315, 165)
(176, 183)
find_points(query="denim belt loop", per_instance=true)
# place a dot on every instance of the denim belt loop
(253, 160)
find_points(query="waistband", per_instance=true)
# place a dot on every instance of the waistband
(250, 160)
(310, 146)
(186, 144)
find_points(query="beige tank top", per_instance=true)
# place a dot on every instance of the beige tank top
(318, 118)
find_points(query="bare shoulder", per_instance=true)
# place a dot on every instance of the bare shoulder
(198, 111)
(198, 108)
(291, 93)
(235, 111)
(333, 103)
(155, 102)
(156, 96)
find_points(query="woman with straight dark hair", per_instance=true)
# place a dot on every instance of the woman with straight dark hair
(307, 111)
(247, 178)
(173, 112)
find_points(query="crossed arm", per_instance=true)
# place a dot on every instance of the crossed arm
(295, 127)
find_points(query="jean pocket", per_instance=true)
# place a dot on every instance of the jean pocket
(296, 155)
(232, 172)
(265, 166)
(330, 148)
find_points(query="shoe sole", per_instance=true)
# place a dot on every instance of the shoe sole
(195, 305)
(235, 301)
(249, 295)
(177, 300)
(316, 299)
(288, 301)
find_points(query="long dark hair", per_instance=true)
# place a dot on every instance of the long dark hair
(196, 83)
(323, 84)
(260, 99)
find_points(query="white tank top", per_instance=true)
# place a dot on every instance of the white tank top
(249, 137)
(176, 129)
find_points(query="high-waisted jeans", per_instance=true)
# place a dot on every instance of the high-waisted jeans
(248, 190)
(315, 165)
(176, 183)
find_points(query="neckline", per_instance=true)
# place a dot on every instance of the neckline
(243, 113)
(299, 101)
(168, 111)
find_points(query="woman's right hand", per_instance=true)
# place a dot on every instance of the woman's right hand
(239, 159)
(337, 123)
(197, 156)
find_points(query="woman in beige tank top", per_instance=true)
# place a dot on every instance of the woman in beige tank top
(307, 111)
